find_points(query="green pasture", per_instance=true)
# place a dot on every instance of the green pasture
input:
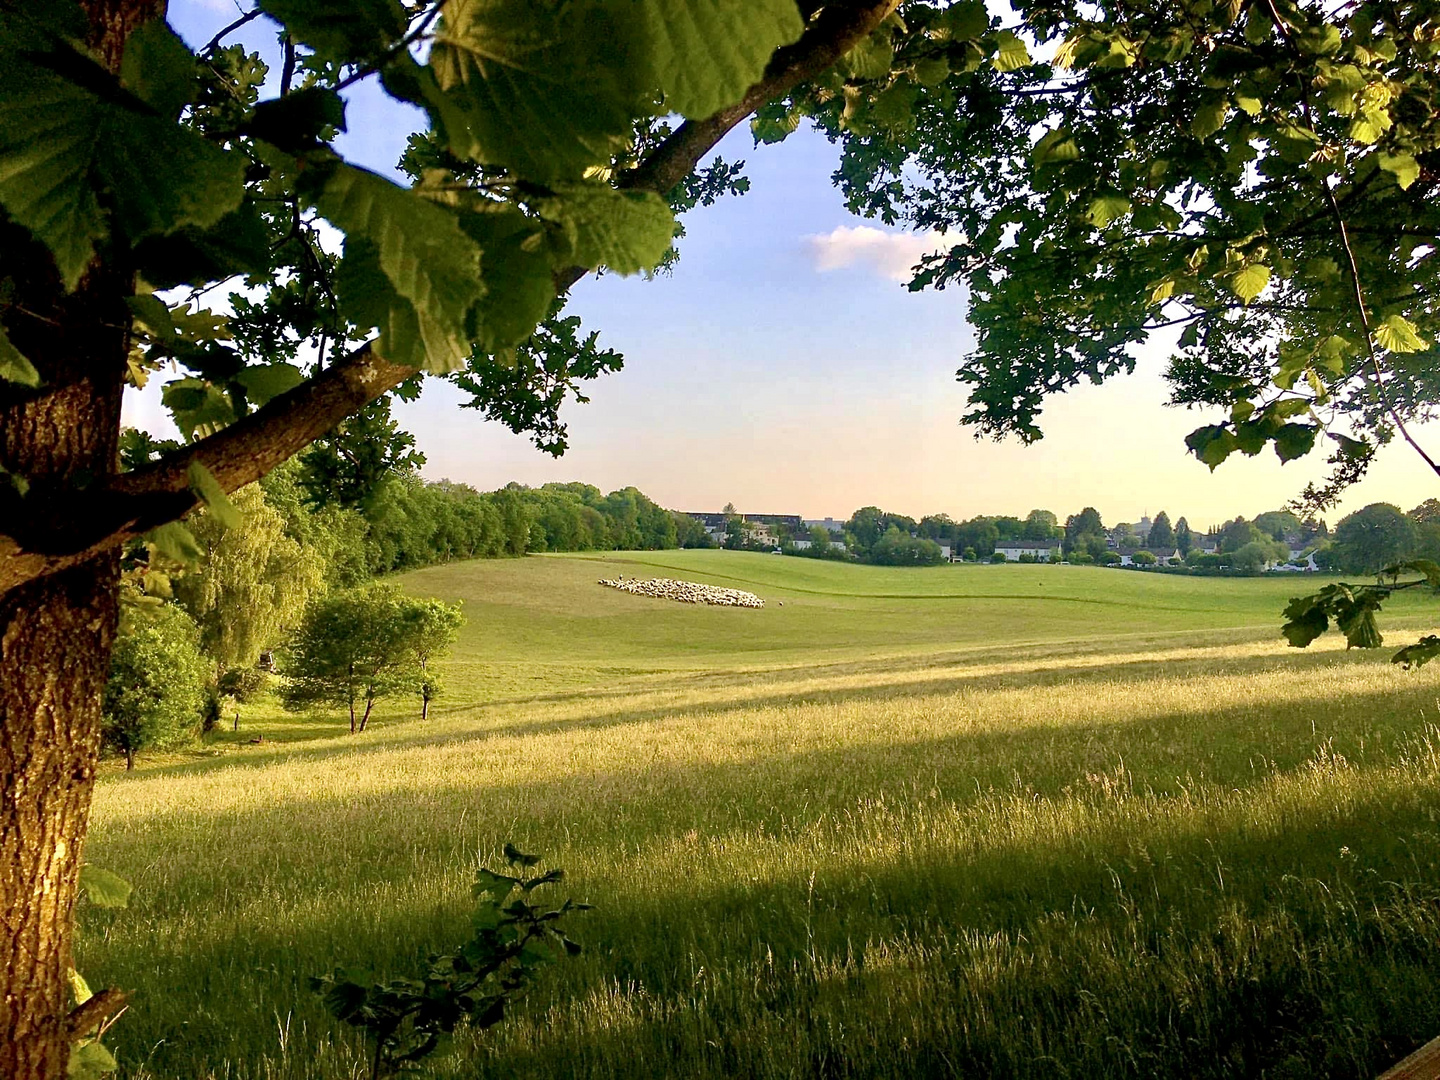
(1003, 821)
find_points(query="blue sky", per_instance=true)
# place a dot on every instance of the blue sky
(784, 368)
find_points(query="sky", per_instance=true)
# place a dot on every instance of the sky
(784, 367)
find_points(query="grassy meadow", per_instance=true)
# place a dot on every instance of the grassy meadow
(1012, 821)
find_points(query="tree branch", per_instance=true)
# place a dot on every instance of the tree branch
(68, 530)
(838, 28)
(72, 529)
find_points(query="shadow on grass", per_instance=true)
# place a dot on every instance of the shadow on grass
(1418, 690)
(1139, 946)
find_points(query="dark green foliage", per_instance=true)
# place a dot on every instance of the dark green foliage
(348, 649)
(404, 1019)
(896, 548)
(243, 684)
(1184, 539)
(1161, 533)
(156, 690)
(349, 465)
(1372, 538)
(1085, 532)
(366, 644)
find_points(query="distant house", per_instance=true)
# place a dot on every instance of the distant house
(1163, 556)
(757, 528)
(1039, 550)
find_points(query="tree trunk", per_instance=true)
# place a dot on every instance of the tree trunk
(56, 632)
(129, 758)
(424, 708)
(55, 641)
(369, 704)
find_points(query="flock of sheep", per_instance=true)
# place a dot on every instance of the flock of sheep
(686, 592)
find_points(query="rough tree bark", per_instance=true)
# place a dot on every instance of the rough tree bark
(56, 632)
(59, 552)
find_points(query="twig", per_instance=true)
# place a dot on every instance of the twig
(214, 43)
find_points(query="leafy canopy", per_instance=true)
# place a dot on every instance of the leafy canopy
(1104, 172)
(192, 170)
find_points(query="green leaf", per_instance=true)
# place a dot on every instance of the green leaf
(1212, 444)
(627, 231)
(151, 313)
(299, 119)
(236, 244)
(499, 886)
(62, 145)
(1010, 52)
(966, 21)
(431, 266)
(931, 70)
(104, 888)
(531, 87)
(341, 30)
(519, 277)
(176, 543)
(871, 58)
(1307, 621)
(1295, 440)
(1209, 118)
(704, 54)
(79, 988)
(1403, 167)
(514, 856)
(90, 1060)
(1054, 147)
(1419, 654)
(1106, 209)
(1250, 281)
(265, 381)
(1252, 105)
(208, 490)
(158, 69)
(197, 405)
(14, 366)
(1399, 335)
(1370, 126)
(1322, 40)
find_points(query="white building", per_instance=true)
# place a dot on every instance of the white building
(1040, 550)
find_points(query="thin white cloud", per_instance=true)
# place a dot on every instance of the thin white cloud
(891, 255)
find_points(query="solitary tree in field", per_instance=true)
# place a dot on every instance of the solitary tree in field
(354, 647)
(430, 627)
(156, 689)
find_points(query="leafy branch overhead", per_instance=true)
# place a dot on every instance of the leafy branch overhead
(1259, 179)
(556, 135)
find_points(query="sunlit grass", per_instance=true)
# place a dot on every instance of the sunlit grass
(1165, 845)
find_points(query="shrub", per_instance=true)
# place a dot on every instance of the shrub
(998, 557)
(404, 1019)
